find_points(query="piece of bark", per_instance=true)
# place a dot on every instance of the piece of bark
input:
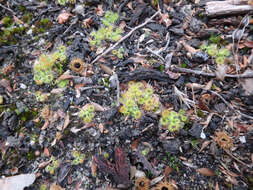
(231, 7)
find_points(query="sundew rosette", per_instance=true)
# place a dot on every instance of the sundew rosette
(87, 113)
(137, 99)
(172, 120)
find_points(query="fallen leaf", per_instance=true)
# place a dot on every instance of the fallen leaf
(66, 122)
(99, 10)
(221, 71)
(165, 20)
(247, 83)
(63, 17)
(205, 171)
(87, 22)
(98, 107)
(6, 84)
(106, 69)
(56, 187)
(18, 182)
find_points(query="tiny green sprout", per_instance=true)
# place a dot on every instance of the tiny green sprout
(78, 158)
(215, 39)
(52, 166)
(43, 187)
(62, 83)
(211, 51)
(145, 151)
(220, 60)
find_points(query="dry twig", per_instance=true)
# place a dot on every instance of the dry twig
(125, 37)
(190, 71)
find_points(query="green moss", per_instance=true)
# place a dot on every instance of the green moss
(215, 39)
(42, 26)
(7, 21)
(27, 17)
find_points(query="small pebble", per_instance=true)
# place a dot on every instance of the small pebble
(23, 86)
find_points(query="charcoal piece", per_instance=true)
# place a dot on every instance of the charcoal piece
(177, 31)
(172, 146)
(195, 25)
(143, 74)
(109, 114)
(146, 164)
(196, 130)
(200, 57)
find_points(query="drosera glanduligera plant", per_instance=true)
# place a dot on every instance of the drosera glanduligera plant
(87, 113)
(173, 121)
(215, 49)
(49, 66)
(108, 31)
(138, 98)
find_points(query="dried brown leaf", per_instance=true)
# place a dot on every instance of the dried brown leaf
(87, 22)
(6, 84)
(56, 187)
(247, 83)
(205, 171)
(204, 145)
(98, 107)
(66, 122)
(99, 10)
(63, 17)
(106, 69)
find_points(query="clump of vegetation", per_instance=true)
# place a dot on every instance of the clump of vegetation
(137, 97)
(10, 31)
(42, 25)
(108, 31)
(172, 120)
(49, 65)
(215, 49)
(118, 52)
(64, 2)
(78, 158)
(218, 53)
(41, 97)
(52, 166)
(87, 113)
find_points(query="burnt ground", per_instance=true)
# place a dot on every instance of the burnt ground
(214, 148)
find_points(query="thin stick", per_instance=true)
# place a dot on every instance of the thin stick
(190, 71)
(230, 105)
(125, 37)
(12, 12)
